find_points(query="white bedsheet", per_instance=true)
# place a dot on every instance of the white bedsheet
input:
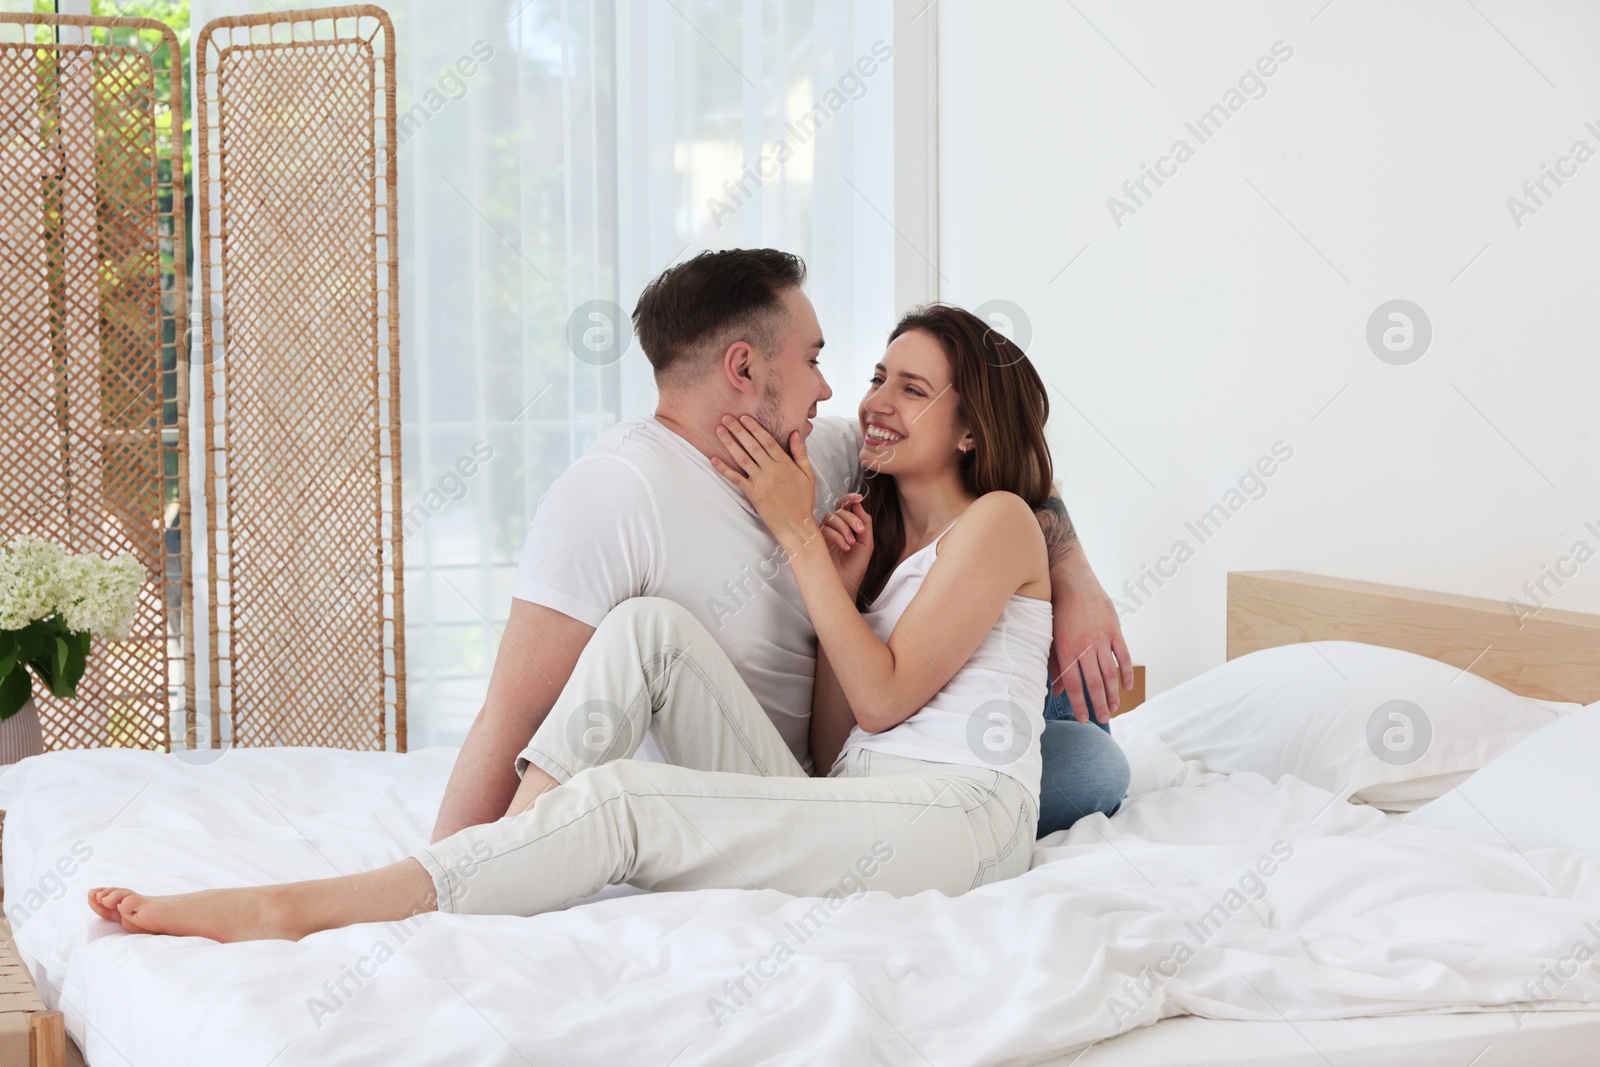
(1476, 1039)
(1367, 916)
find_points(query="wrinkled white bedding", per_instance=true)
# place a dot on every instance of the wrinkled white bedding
(1317, 910)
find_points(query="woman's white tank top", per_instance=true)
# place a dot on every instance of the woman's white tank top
(991, 713)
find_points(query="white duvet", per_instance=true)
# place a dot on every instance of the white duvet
(1223, 896)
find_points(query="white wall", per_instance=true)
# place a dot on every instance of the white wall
(1230, 310)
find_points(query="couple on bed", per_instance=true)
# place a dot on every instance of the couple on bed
(863, 697)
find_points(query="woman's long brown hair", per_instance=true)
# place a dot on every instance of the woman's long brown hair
(1000, 398)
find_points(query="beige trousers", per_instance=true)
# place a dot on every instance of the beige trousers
(733, 809)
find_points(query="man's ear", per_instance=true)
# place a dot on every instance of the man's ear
(738, 366)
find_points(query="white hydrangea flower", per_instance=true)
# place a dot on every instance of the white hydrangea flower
(100, 595)
(28, 570)
(39, 579)
(11, 615)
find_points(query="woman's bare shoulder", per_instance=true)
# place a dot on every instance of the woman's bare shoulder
(1000, 521)
(1002, 508)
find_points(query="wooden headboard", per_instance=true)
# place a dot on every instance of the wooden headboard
(1553, 655)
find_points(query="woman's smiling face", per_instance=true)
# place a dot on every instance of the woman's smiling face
(908, 416)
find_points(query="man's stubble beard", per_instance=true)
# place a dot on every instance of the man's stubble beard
(767, 416)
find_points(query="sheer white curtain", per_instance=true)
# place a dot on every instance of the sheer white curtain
(555, 155)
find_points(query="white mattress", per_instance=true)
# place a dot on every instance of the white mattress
(1368, 917)
(1479, 1039)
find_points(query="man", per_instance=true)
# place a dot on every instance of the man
(643, 513)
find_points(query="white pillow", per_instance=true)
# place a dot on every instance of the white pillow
(1381, 726)
(1542, 794)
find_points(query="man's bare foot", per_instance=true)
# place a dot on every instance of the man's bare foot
(284, 912)
(258, 913)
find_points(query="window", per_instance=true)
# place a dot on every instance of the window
(554, 157)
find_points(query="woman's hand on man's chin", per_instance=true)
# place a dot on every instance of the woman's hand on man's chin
(782, 487)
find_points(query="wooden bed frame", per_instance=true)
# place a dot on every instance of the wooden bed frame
(1547, 655)
(30, 1035)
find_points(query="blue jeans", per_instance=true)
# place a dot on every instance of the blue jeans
(1084, 769)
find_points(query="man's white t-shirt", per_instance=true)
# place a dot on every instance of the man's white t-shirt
(643, 513)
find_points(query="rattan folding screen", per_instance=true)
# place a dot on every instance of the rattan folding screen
(93, 441)
(295, 130)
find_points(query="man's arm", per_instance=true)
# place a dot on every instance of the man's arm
(1059, 536)
(1086, 627)
(536, 656)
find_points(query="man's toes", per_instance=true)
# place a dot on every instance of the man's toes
(130, 909)
(103, 902)
(109, 914)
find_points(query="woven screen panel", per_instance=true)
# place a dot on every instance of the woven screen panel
(92, 437)
(301, 366)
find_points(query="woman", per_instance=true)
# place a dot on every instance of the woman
(925, 709)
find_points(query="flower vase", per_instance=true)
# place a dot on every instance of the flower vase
(20, 736)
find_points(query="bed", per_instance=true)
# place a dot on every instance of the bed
(1379, 941)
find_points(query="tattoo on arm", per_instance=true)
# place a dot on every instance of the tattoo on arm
(1059, 536)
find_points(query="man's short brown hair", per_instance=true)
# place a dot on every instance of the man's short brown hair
(692, 312)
